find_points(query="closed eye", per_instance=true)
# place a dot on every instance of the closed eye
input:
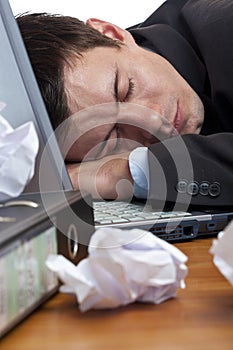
(130, 90)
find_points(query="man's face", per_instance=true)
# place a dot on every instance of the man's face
(133, 75)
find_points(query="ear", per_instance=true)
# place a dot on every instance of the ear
(110, 30)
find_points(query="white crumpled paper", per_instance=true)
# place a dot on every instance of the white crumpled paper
(123, 266)
(18, 150)
(222, 249)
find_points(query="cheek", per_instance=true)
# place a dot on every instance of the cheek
(80, 147)
(154, 84)
(76, 152)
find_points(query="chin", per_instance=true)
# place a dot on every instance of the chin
(193, 126)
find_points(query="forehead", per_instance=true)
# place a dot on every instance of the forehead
(89, 80)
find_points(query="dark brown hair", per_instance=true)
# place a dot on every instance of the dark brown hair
(51, 42)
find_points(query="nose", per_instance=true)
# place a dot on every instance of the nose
(141, 136)
(142, 124)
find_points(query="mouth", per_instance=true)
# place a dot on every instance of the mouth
(178, 120)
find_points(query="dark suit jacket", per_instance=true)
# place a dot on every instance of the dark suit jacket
(196, 37)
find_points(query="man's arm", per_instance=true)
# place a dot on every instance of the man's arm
(190, 170)
(106, 178)
(193, 170)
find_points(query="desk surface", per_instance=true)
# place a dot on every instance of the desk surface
(201, 317)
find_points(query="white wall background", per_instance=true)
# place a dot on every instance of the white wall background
(121, 12)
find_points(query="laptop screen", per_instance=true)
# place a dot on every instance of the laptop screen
(21, 94)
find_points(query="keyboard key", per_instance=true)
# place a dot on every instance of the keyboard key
(135, 218)
(104, 222)
(119, 221)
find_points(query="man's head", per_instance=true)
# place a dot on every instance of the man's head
(97, 63)
(52, 42)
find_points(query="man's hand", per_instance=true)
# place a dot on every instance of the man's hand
(106, 178)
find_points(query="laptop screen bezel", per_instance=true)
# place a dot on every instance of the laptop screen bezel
(33, 92)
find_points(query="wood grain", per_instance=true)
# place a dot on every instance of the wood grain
(200, 317)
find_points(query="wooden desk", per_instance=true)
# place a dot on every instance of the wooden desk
(201, 317)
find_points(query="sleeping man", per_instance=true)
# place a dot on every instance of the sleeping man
(146, 111)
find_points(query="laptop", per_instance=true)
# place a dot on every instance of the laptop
(50, 187)
(172, 226)
(20, 80)
(20, 93)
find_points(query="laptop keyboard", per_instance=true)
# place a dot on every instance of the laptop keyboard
(107, 213)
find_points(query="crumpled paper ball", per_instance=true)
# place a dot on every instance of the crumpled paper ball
(221, 249)
(123, 266)
(18, 151)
